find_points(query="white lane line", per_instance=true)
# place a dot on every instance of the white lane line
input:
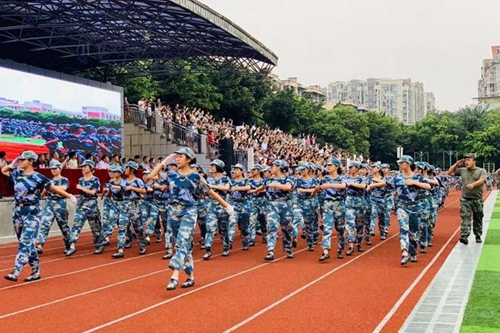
(287, 297)
(412, 286)
(44, 250)
(154, 306)
(92, 291)
(284, 299)
(115, 262)
(81, 254)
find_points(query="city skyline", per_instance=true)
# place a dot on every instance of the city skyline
(438, 42)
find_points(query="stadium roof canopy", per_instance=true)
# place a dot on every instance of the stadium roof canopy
(72, 36)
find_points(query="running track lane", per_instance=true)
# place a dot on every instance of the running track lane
(283, 268)
(331, 305)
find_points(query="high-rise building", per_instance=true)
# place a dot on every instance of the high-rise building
(399, 98)
(489, 85)
(430, 102)
(314, 92)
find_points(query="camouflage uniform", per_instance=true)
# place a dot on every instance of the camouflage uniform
(130, 214)
(149, 210)
(279, 213)
(307, 208)
(257, 210)
(378, 208)
(87, 209)
(471, 203)
(333, 214)
(56, 207)
(218, 217)
(409, 212)
(112, 216)
(241, 214)
(355, 210)
(26, 216)
(185, 191)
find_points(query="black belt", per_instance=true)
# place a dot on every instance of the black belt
(56, 199)
(410, 203)
(238, 200)
(336, 199)
(26, 204)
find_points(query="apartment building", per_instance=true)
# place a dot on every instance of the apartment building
(489, 85)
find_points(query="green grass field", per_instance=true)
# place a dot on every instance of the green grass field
(482, 314)
(11, 138)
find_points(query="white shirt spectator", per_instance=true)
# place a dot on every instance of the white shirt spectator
(102, 165)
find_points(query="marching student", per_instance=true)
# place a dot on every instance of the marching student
(56, 208)
(355, 207)
(258, 202)
(408, 185)
(202, 209)
(279, 211)
(186, 187)
(132, 188)
(109, 210)
(27, 212)
(333, 188)
(239, 186)
(307, 203)
(377, 190)
(218, 218)
(425, 197)
(149, 209)
(87, 209)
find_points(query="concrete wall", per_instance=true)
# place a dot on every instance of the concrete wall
(6, 228)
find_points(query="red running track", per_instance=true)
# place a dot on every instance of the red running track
(241, 293)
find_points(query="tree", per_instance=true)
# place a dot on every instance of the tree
(385, 136)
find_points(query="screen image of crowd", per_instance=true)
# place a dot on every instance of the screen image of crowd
(66, 139)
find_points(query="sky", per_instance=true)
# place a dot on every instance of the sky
(63, 95)
(440, 43)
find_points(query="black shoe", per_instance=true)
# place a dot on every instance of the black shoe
(231, 245)
(142, 250)
(350, 251)
(188, 283)
(252, 243)
(340, 255)
(404, 260)
(478, 239)
(382, 237)
(172, 285)
(423, 250)
(33, 277)
(245, 248)
(270, 256)
(167, 256)
(117, 255)
(413, 258)
(289, 255)
(315, 242)
(360, 248)
(368, 242)
(321, 227)
(202, 246)
(207, 255)
(105, 243)
(324, 256)
(70, 252)
(99, 249)
(372, 233)
(128, 244)
(310, 248)
(39, 249)
(264, 240)
(430, 244)
(147, 241)
(294, 243)
(303, 236)
(11, 277)
(463, 240)
(158, 238)
(225, 253)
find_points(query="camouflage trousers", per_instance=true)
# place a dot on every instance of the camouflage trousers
(307, 208)
(378, 210)
(217, 218)
(110, 217)
(389, 205)
(408, 215)
(333, 216)
(424, 220)
(183, 221)
(367, 212)
(55, 210)
(279, 213)
(129, 216)
(471, 212)
(355, 218)
(258, 217)
(162, 221)
(149, 215)
(26, 223)
(435, 201)
(240, 217)
(298, 219)
(87, 210)
(202, 219)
